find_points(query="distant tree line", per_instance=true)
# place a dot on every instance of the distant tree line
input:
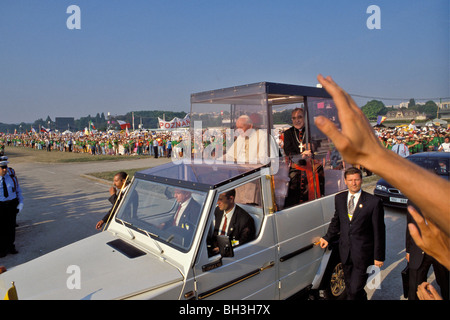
(149, 120)
(375, 108)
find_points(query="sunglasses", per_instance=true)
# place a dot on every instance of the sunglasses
(3, 167)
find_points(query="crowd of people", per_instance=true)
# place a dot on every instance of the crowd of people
(406, 140)
(98, 143)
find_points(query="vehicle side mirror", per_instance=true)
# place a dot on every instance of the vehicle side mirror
(225, 247)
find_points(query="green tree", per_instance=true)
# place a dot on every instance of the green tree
(373, 109)
(429, 108)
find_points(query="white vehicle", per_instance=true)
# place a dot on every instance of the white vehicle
(142, 256)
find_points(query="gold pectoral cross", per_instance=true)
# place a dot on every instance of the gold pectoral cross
(301, 146)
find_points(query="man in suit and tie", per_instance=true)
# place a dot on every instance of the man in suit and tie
(359, 223)
(232, 221)
(187, 211)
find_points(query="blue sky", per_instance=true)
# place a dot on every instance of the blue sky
(151, 55)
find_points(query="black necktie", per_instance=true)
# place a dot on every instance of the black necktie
(5, 190)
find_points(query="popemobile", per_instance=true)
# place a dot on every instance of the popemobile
(231, 161)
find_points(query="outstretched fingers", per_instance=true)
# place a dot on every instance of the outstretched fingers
(344, 103)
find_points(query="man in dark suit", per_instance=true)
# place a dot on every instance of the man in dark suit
(117, 190)
(419, 265)
(187, 211)
(233, 221)
(359, 223)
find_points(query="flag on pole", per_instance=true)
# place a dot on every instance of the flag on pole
(123, 124)
(11, 294)
(380, 119)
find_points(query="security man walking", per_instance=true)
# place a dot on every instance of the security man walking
(11, 203)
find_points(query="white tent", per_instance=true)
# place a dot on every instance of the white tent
(436, 122)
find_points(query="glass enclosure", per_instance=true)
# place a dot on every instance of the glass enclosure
(250, 124)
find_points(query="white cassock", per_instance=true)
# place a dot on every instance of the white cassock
(251, 147)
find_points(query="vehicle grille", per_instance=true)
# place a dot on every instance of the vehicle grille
(393, 190)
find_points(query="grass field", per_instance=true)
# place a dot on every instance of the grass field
(25, 154)
(33, 155)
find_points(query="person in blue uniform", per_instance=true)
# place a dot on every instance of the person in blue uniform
(11, 203)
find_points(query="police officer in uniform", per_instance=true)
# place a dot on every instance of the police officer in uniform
(11, 203)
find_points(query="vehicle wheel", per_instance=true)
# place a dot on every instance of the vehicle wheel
(335, 286)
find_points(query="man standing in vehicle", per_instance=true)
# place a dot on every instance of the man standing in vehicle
(299, 153)
(359, 220)
(251, 144)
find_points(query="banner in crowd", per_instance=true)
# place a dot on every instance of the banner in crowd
(175, 123)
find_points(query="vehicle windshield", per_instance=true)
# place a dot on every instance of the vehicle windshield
(436, 165)
(165, 213)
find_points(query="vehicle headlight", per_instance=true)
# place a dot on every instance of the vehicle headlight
(381, 187)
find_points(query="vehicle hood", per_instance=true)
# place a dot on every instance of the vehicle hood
(384, 183)
(101, 271)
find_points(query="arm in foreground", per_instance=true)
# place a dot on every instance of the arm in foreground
(358, 144)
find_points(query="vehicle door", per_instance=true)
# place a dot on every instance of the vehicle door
(251, 273)
(304, 221)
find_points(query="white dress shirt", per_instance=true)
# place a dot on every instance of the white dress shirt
(180, 213)
(229, 215)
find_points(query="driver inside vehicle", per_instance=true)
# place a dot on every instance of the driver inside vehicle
(186, 213)
(232, 221)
